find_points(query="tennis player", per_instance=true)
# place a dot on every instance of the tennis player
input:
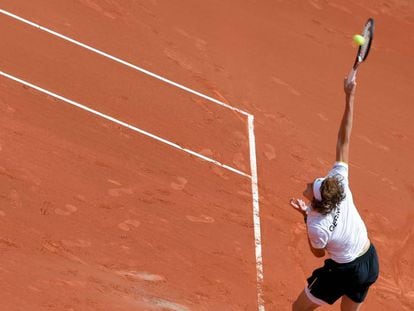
(335, 226)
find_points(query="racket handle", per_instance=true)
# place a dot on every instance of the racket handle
(352, 75)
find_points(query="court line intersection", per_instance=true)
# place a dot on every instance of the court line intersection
(250, 120)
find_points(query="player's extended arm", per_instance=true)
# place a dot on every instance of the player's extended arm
(344, 134)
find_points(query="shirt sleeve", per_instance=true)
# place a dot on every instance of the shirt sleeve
(340, 168)
(318, 237)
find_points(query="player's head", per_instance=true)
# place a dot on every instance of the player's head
(325, 193)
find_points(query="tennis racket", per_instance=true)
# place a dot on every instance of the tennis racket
(363, 50)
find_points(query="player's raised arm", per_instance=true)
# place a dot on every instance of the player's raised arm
(344, 134)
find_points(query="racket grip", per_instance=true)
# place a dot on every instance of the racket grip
(352, 75)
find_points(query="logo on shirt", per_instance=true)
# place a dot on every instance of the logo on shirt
(335, 220)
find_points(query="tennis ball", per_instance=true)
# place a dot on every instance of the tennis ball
(358, 39)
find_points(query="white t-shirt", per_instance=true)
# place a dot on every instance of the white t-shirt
(342, 232)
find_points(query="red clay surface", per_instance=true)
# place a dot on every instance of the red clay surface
(97, 217)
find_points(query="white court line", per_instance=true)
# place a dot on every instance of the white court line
(256, 215)
(131, 127)
(118, 60)
(252, 143)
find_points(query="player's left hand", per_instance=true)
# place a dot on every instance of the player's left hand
(299, 205)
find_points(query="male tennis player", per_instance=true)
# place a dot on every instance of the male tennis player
(335, 226)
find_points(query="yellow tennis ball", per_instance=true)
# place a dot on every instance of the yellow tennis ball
(358, 39)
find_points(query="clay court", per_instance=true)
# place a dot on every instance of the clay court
(149, 149)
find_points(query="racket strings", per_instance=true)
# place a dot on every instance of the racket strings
(367, 34)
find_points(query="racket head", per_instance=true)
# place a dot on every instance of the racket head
(368, 34)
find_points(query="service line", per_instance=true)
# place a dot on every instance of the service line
(124, 124)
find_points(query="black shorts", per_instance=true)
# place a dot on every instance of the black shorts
(352, 279)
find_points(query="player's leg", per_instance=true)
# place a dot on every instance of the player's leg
(347, 304)
(303, 303)
(365, 274)
(323, 288)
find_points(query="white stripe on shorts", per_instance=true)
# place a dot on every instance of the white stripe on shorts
(313, 298)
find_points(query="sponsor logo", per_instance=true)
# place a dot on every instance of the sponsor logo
(335, 220)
